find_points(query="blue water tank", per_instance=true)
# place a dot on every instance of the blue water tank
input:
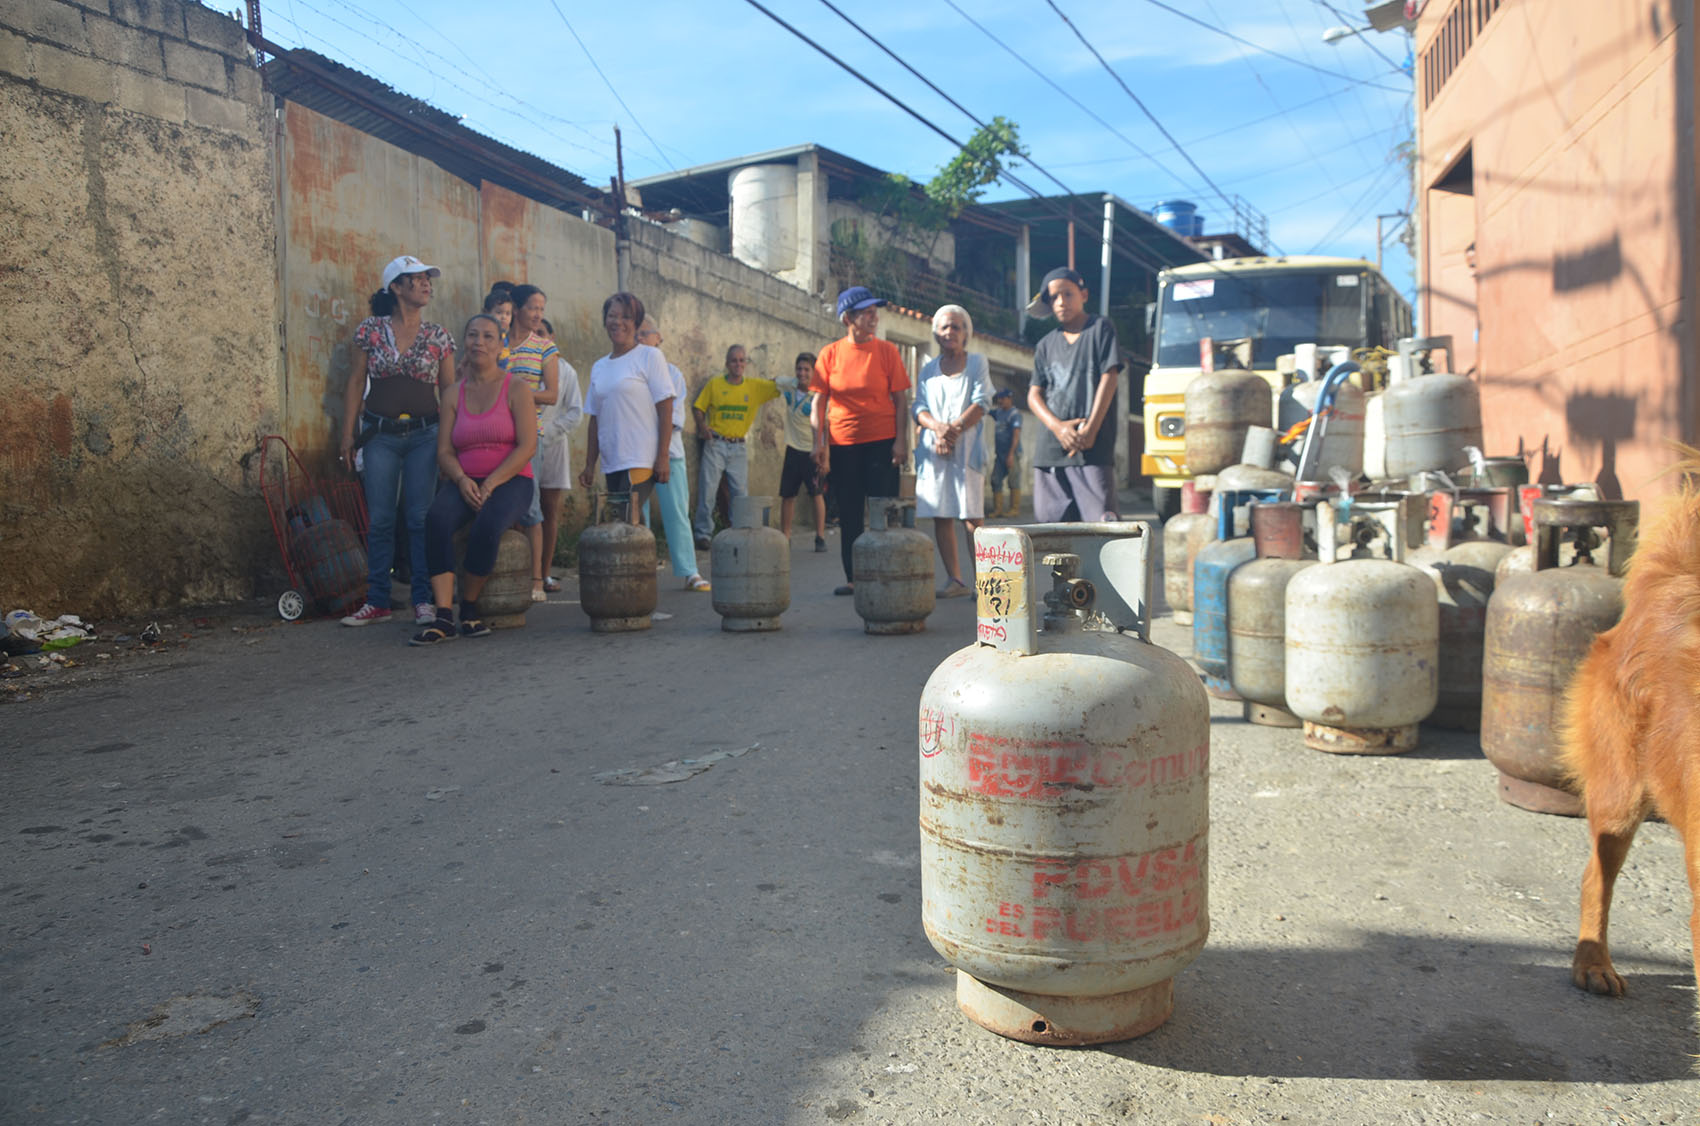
(1180, 216)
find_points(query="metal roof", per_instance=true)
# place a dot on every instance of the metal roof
(362, 102)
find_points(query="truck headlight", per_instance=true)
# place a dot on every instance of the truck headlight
(1171, 425)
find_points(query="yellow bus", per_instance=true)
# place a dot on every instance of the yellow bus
(1269, 305)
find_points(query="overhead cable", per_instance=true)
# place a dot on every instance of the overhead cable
(1190, 18)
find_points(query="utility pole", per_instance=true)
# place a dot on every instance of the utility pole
(622, 236)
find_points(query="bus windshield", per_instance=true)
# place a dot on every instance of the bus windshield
(1275, 310)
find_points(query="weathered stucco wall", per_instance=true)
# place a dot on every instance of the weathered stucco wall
(138, 297)
(1579, 196)
(707, 302)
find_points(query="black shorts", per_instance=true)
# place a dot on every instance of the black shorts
(798, 473)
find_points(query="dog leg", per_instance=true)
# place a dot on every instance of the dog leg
(1591, 967)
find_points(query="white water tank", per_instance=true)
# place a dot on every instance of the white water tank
(764, 216)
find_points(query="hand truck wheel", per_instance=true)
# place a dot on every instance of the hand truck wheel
(291, 605)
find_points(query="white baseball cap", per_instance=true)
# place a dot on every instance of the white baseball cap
(406, 264)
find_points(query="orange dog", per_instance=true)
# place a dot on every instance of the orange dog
(1633, 725)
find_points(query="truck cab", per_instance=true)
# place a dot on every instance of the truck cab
(1259, 308)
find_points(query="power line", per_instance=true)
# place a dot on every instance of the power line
(1126, 89)
(610, 85)
(1370, 43)
(1050, 205)
(1190, 18)
(1043, 77)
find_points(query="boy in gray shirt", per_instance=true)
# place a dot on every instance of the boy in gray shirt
(1073, 397)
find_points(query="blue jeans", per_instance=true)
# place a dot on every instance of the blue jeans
(674, 501)
(730, 458)
(404, 464)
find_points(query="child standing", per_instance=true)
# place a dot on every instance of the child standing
(1073, 395)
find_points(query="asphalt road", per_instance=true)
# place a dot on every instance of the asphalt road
(306, 874)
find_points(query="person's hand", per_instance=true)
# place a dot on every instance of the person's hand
(943, 447)
(899, 452)
(345, 454)
(821, 460)
(472, 492)
(663, 466)
(585, 477)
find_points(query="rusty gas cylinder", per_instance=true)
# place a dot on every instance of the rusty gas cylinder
(1363, 639)
(1064, 793)
(1461, 555)
(507, 592)
(1183, 536)
(1221, 406)
(1540, 624)
(616, 570)
(893, 565)
(751, 564)
(1257, 612)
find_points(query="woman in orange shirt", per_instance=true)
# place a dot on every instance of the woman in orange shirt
(860, 385)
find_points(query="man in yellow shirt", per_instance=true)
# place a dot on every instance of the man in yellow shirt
(725, 409)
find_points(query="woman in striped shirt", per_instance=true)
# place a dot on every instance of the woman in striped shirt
(533, 357)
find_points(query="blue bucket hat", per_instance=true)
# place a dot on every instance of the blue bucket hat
(855, 298)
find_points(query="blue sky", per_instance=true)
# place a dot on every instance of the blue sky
(696, 81)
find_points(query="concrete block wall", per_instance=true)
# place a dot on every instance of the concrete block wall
(139, 301)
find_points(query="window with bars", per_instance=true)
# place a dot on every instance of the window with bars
(1458, 30)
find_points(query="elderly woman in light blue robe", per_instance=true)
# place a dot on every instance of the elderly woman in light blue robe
(952, 396)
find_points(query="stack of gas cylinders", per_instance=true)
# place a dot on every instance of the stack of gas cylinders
(1446, 591)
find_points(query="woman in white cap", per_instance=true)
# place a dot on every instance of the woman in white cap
(408, 361)
(952, 396)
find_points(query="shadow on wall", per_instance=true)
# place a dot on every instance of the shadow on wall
(1606, 420)
(1590, 266)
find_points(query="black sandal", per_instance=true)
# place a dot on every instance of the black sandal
(474, 627)
(436, 633)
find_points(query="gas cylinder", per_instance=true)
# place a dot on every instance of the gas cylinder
(1257, 612)
(893, 565)
(1064, 793)
(507, 592)
(1220, 407)
(1430, 419)
(751, 564)
(1216, 564)
(1461, 556)
(616, 570)
(1242, 477)
(1540, 624)
(1183, 535)
(1343, 436)
(1363, 640)
(331, 562)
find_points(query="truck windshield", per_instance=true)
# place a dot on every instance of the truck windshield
(1276, 311)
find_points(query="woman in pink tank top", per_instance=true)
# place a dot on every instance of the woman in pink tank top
(485, 440)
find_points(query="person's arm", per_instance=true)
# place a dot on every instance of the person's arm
(551, 392)
(591, 452)
(524, 409)
(1088, 428)
(1064, 430)
(570, 401)
(352, 396)
(817, 420)
(900, 445)
(446, 367)
(663, 438)
(448, 459)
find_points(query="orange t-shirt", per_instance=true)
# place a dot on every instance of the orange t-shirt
(859, 380)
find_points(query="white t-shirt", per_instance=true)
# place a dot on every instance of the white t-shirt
(622, 397)
(676, 448)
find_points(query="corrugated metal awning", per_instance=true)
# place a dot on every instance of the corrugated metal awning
(362, 102)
